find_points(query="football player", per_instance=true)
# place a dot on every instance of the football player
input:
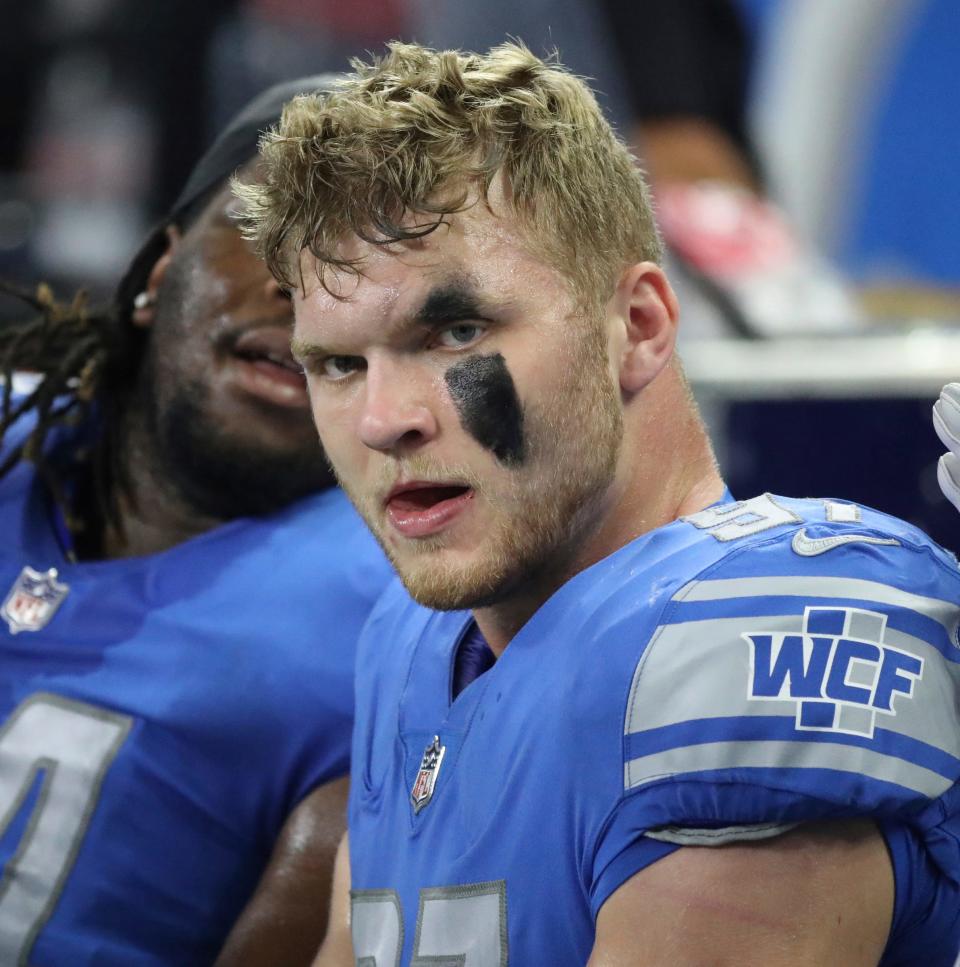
(182, 592)
(625, 719)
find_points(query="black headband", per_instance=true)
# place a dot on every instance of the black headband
(234, 146)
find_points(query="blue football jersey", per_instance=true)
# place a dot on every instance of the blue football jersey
(727, 676)
(162, 716)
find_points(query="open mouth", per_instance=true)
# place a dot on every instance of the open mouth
(419, 509)
(423, 498)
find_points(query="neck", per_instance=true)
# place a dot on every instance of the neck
(153, 515)
(646, 493)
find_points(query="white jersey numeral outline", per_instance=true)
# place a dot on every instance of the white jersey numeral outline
(74, 744)
(457, 926)
(731, 522)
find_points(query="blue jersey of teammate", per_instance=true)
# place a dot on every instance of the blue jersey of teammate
(162, 716)
(751, 667)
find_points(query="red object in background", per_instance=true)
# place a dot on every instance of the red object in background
(723, 230)
(745, 246)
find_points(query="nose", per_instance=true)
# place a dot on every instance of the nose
(396, 410)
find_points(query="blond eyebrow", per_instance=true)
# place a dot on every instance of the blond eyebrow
(304, 351)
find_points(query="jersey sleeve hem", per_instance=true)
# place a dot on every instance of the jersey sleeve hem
(721, 836)
(632, 859)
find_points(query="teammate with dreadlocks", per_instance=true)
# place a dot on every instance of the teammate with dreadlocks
(181, 590)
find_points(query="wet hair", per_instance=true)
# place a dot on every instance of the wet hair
(422, 133)
(87, 356)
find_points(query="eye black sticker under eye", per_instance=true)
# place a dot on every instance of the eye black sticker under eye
(486, 399)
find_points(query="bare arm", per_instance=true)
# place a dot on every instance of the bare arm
(820, 896)
(337, 949)
(286, 918)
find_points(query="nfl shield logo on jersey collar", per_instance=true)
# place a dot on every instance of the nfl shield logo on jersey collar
(33, 600)
(426, 780)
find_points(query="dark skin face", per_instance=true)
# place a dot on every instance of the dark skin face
(221, 426)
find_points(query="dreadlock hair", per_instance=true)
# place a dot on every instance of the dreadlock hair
(86, 357)
(83, 356)
(90, 356)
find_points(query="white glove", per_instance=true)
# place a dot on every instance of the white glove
(946, 421)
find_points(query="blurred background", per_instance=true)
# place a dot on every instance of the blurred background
(802, 153)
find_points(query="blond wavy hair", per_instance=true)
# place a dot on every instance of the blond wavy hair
(423, 133)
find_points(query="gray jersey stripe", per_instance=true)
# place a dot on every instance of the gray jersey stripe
(945, 612)
(774, 754)
(704, 668)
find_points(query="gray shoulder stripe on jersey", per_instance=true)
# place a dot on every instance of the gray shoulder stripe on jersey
(691, 759)
(705, 668)
(795, 586)
(682, 836)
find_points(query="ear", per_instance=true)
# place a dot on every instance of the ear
(647, 309)
(144, 316)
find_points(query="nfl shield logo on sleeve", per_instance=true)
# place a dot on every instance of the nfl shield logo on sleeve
(426, 780)
(33, 600)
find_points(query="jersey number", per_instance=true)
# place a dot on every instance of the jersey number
(457, 926)
(730, 522)
(73, 744)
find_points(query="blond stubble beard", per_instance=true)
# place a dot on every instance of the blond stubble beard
(576, 436)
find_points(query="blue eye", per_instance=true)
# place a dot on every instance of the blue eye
(460, 335)
(339, 367)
